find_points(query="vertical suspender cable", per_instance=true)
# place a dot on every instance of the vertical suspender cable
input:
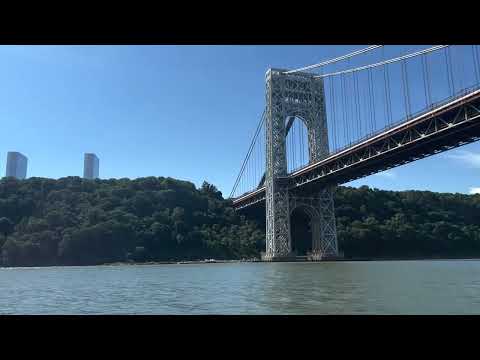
(386, 78)
(406, 96)
(460, 60)
(407, 84)
(475, 63)
(345, 105)
(427, 77)
(303, 148)
(424, 76)
(249, 174)
(240, 181)
(254, 165)
(351, 109)
(357, 106)
(349, 106)
(294, 147)
(451, 88)
(345, 134)
(477, 57)
(288, 144)
(373, 100)
(334, 116)
(292, 142)
(370, 97)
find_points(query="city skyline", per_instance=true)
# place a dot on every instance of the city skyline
(90, 166)
(17, 164)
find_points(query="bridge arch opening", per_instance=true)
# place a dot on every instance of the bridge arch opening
(296, 141)
(301, 230)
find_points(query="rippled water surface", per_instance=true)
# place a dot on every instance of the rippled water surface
(379, 287)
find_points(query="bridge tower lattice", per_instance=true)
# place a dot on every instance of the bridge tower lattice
(299, 95)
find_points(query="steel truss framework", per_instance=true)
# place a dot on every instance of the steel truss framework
(295, 95)
(455, 124)
(443, 129)
(320, 209)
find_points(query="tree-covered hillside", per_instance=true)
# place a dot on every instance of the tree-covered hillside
(72, 221)
(376, 223)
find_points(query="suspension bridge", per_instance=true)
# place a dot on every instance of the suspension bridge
(323, 127)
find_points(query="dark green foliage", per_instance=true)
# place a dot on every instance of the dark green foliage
(72, 221)
(6, 228)
(408, 224)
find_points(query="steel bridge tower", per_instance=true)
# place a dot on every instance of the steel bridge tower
(302, 96)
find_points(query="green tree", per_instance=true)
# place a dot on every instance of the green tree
(6, 227)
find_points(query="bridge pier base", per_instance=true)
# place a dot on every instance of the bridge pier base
(294, 258)
(284, 258)
(324, 257)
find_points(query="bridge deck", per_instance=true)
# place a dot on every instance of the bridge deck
(453, 124)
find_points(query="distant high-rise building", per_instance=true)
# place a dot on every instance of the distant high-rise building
(16, 165)
(90, 166)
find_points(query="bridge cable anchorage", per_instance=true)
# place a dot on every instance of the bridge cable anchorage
(331, 61)
(242, 169)
(390, 61)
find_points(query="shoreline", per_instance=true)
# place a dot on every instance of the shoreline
(187, 262)
(214, 261)
(181, 262)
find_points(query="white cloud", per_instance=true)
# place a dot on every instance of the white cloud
(468, 157)
(387, 174)
(474, 190)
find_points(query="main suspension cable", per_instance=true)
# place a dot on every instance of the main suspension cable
(331, 61)
(418, 53)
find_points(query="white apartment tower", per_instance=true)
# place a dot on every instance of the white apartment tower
(16, 165)
(90, 166)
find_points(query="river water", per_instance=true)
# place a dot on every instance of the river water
(370, 287)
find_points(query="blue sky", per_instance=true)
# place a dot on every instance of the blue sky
(188, 112)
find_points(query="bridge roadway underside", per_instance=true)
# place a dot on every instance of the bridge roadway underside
(455, 124)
